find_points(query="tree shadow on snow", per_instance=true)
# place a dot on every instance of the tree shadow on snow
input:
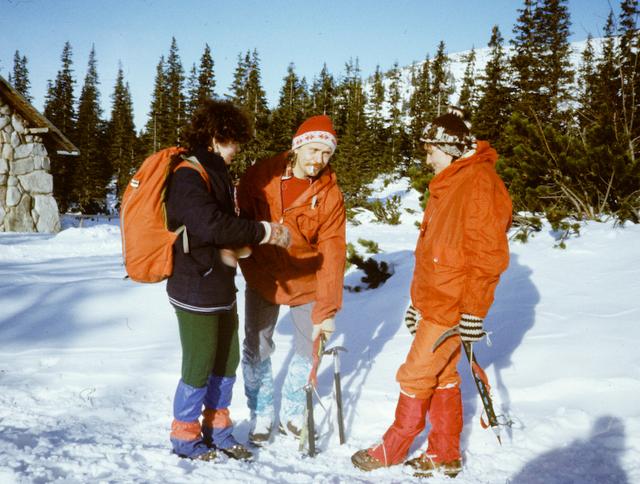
(593, 460)
(372, 318)
(52, 306)
(367, 322)
(510, 317)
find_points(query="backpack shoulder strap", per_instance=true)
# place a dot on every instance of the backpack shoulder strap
(193, 163)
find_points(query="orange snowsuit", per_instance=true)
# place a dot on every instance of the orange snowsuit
(312, 268)
(462, 249)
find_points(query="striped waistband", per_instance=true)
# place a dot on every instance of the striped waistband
(201, 309)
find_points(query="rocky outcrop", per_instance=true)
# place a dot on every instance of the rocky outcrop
(26, 186)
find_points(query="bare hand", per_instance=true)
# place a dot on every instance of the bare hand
(280, 235)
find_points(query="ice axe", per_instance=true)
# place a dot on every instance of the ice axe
(336, 379)
(479, 378)
(308, 427)
(482, 384)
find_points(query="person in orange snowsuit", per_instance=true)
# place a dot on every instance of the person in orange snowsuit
(462, 249)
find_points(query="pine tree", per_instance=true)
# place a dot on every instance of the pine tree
(289, 113)
(377, 125)
(494, 103)
(175, 98)
(421, 106)
(599, 175)
(557, 73)
(524, 60)
(441, 80)
(121, 134)
(608, 126)
(629, 74)
(201, 83)
(156, 131)
(467, 99)
(20, 77)
(543, 74)
(306, 101)
(256, 101)
(539, 144)
(59, 109)
(206, 76)
(422, 109)
(398, 142)
(351, 161)
(247, 92)
(605, 86)
(192, 92)
(239, 85)
(93, 172)
(586, 81)
(595, 151)
(596, 114)
(323, 92)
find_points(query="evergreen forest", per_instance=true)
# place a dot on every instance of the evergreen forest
(567, 134)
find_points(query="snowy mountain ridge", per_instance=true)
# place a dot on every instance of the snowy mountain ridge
(457, 65)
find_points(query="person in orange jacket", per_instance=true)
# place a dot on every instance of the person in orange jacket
(462, 249)
(298, 189)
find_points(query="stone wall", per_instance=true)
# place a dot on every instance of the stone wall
(26, 186)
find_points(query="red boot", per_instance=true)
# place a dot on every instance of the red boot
(409, 422)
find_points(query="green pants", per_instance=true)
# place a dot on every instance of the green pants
(209, 345)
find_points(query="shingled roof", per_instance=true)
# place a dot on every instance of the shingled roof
(37, 122)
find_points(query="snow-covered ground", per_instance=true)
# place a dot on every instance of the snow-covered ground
(89, 363)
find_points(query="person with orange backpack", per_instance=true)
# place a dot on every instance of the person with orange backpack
(201, 286)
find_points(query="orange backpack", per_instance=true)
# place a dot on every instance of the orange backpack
(147, 243)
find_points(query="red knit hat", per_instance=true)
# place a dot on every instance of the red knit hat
(316, 129)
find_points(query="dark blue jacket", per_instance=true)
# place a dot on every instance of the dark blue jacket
(200, 282)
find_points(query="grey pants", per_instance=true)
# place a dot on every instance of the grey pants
(260, 321)
(261, 317)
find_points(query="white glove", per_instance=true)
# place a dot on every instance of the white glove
(326, 327)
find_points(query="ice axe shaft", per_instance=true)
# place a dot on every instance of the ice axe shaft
(338, 388)
(479, 378)
(310, 430)
(483, 389)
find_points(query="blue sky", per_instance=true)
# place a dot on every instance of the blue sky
(137, 32)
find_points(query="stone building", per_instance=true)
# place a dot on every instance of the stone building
(26, 186)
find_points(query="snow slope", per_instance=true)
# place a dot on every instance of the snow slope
(89, 363)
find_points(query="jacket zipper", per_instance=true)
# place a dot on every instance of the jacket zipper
(293, 207)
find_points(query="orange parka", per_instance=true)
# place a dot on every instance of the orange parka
(312, 268)
(462, 248)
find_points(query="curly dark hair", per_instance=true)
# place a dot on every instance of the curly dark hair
(221, 120)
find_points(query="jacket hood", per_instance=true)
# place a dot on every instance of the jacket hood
(484, 153)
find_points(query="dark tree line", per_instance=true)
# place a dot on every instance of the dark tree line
(568, 140)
